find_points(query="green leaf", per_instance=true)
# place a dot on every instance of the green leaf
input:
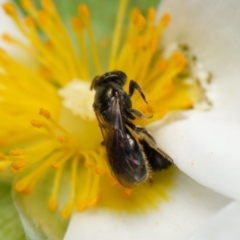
(11, 227)
(38, 221)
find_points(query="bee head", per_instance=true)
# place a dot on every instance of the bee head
(116, 77)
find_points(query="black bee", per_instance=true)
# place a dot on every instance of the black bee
(131, 150)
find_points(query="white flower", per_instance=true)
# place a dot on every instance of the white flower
(204, 145)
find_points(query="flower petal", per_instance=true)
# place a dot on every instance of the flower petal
(9, 220)
(211, 30)
(189, 206)
(206, 149)
(205, 144)
(224, 225)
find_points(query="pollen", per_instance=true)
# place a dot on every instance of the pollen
(49, 129)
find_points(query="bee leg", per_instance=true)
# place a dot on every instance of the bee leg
(136, 113)
(130, 114)
(142, 132)
(134, 85)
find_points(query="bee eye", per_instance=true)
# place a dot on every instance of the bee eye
(94, 83)
(122, 77)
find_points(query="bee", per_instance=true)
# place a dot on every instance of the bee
(131, 151)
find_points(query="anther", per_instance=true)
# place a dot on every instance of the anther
(133, 14)
(18, 165)
(44, 113)
(55, 165)
(20, 186)
(140, 22)
(92, 201)
(100, 171)
(7, 38)
(81, 205)
(36, 123)
(161, 64)
(27, 5)
(52, 205)
(180, 60)
(151, 14)
(63, 139)
(67, 210)
(29, 21)
(128, 192)
(83, 11)
(76, 24)
(43, 17)
(16, 152)
(28, 190)
(113, 182)
(187, 103)
(165, 19)
(88, 164)
(9, 9)
(48, 5)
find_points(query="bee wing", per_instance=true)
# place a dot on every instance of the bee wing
(125, 155)
(113, 121)
(157, 158)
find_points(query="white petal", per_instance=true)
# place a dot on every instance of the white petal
(205, 145)
(190, 205)
(212, 30)
(225, 225)
(206, 149)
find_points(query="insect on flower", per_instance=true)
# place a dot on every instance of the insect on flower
(132, 152)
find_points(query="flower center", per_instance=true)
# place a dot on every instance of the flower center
(77, 115)
(67, 136)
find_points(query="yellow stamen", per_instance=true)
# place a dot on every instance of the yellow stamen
(78, 28)
(117, 33)
(27, 183)
(59, 162)
(53, 200)
(85, 17)
(82, 197)
(45, 113)
(94, 194)
(67, 210)
(40, 124)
